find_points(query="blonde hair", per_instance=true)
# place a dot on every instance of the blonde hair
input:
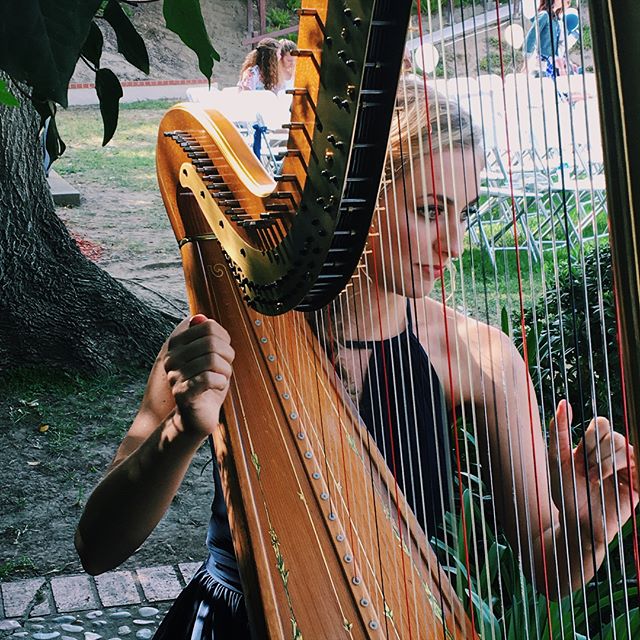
(414, 136)
(265, 56)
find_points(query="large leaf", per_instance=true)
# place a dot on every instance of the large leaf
(6, 97)
(53, 142)
(109, 93)
(130, 43)
(41, 40)
(92, 47)
(184, 18)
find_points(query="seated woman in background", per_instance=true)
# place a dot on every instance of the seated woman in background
(270, 66)
(545, 41)
(287, 63)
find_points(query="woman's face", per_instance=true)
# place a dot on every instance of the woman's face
(423, 229)
(286, 67)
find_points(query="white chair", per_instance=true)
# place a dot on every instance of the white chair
(489, 83)
(462, 86)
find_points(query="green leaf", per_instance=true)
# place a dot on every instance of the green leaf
(92, 47)
(109, 93)
(41, 40)
(130, 43)
(184, 18)
(505, 321)
(6, 97)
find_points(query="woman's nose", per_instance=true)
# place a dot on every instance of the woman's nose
(451, 239)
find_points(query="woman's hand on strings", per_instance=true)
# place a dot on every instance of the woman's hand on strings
(603, 480)
(198, 367)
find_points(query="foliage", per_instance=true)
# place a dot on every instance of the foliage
(61, 32)
(505, 604)
(572, 329)
(572, 332)
(284, 16)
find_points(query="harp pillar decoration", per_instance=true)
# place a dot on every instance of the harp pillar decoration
(615, 27)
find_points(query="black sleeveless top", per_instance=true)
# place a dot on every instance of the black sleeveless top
(402, 405)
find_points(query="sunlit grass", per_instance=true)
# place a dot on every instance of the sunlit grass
(128, 161)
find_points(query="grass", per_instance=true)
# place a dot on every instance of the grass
(64, 411)
(128, 161)
(15, 566)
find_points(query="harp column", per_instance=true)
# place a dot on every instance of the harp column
(615, 27)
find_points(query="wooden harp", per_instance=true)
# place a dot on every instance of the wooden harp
(327, 543)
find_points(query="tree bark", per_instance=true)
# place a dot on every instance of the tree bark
(57, 308)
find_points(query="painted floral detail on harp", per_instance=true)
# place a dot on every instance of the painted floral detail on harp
(256, 463)
(284, 575)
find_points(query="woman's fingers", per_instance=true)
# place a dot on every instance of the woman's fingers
(206, 346)
(198, 358)
(560, 433)
(197, 385)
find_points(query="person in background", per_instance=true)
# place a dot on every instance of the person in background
(270, 66)
(260, 67)
(545, 41)
(287, 63)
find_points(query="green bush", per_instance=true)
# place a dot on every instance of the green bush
(571, 335)
(284, 16)
(572, 329)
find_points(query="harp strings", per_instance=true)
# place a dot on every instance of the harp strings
(573, 191)
(369, 309)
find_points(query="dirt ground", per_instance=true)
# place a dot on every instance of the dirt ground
(59, 434)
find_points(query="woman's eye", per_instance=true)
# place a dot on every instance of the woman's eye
(431, 211)
(468, 212)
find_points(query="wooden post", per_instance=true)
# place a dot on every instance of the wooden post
(262, 12)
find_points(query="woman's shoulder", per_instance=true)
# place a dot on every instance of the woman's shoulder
(250, 79)
(475, 339)
(542, 17)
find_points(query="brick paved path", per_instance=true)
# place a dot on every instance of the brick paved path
(118, 605)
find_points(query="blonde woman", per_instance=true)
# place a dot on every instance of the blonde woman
(453, 361)
(383, 324)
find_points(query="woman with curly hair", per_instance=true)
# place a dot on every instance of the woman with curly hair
(269, 66)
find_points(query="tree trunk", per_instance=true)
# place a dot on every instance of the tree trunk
(57, 308)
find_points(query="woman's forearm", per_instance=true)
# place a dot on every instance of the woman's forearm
(132, 498)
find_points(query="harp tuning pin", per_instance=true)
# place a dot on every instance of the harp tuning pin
(342, 54)
(335, 142)
(342, 104)
(348, 12)
(328, 176)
